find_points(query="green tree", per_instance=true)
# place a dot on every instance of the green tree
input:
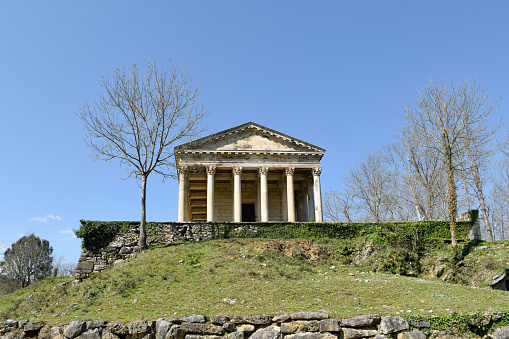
(28, 260)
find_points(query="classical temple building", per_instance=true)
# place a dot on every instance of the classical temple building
(249, 173)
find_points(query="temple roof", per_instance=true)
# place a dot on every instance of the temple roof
(249, 138)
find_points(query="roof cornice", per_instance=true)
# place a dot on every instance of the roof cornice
(189, 146)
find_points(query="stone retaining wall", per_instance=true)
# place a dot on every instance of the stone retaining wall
(96, 259)
(159, 234)
(302, 325)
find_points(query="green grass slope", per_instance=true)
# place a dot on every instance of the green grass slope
(243, 276)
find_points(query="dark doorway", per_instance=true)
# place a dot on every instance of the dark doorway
(248, 213)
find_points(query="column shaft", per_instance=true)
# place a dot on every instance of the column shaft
(311, 203)
(211, 171)
(182, 193)
(289, 194)
(237, 194)
(264, 194)
(317, 194)
(284, 201)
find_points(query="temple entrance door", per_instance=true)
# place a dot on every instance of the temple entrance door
(248, 213)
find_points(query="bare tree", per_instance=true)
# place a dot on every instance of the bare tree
(62, 268)
(441, 119)
(371, 182)
(28, 260)
(139, 119)
(499, 211)
(421, 177)
(338, 206)
(499, 198)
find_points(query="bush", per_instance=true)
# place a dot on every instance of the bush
(97, 234)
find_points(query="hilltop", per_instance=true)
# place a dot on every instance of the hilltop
(255, 276)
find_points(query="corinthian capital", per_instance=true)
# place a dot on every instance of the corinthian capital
(182, 170)
(237, 170)
(263, 170)
(290, 170)
(211, 170)
(317, 171)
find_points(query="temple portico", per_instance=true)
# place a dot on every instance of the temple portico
(249, 173)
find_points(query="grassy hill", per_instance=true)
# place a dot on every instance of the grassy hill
(254, 276)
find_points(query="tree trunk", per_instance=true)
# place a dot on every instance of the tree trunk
(142, 241)
(485, 216)
(484, 210)
(452, 199)
(482, 202)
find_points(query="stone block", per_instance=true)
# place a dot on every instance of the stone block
(139, 328)
(197, 336)
(366, 320)
(33, 326)
(91, 334)
(281, 318)
(230, 327)
(261, 319)
(175, 332)
(194, 319)
(309, 316)
(118, 329)
(391, 324)
(271, 332)
(501, 333)
(125, 250)
(311, 335)
(235, 335)
(106, 334)
(329, 325)
(219, 319)
(162, 328)
(200, 328)
(354, 333)
(96, 324)
(415, 334)
(300, 326)
(246, 328)
(74, 329)
(85, 266)
(8, 325)
(54, 332)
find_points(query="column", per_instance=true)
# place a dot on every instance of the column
(237, 195)
(284, 204)
(264, 193)
(182, 175)
(317, 194)
(311, 202)
(298, 207)
(289, 193)
(211, 171)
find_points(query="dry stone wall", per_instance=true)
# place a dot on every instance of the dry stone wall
(96, 258)
(302, 325)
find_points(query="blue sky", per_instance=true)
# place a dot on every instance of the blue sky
(332, 73)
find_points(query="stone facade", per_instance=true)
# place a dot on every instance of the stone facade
(301, 325)
(249, 173)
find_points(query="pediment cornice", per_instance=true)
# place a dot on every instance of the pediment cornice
(217, 143)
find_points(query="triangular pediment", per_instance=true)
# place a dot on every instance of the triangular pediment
(249, 137)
